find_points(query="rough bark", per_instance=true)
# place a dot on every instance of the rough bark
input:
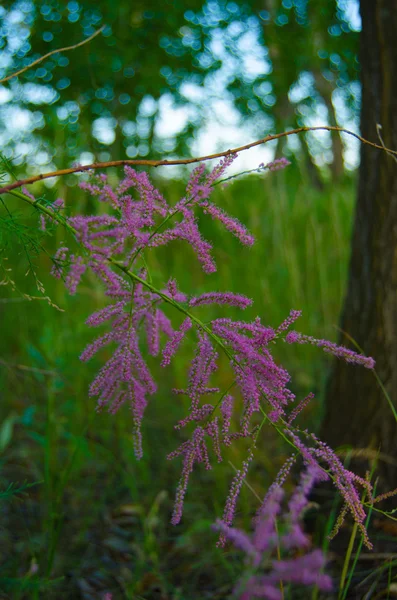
(357, 412)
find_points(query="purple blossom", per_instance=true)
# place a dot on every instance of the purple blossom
(194, 180)
(306, 570)
(112, 234)
(265, 535)
(292, 337)
(234, 492)
(203, 365)
(153, 331)
(173, 292)
(220, 298)
(220, 168)
(239, 539)
(227, 412)
(258, 587)
(59, 262)
(191, 452)
(28, 194)
(103, 315)
(137, 394)
(256, 372)
(189, 231)
(278, 482)
(293, 316)
(295, 538)
(200, 183)
(175, 341)
(76, 270)
(230, 223)
(55, 207)
(298, 409)
(196, 415)
(125, 376)
(212, 429)
(344, 480)
(338, 351)
(276, 165)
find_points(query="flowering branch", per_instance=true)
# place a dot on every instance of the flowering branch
(185, 161)
(116, 240)
(39, 60)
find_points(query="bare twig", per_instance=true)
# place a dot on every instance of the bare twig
(26, 368)
(378, 131)
(39, 60)
(184, 161)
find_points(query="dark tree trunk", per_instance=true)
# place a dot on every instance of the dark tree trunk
(357, 412)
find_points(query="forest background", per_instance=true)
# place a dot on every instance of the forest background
(162, 83)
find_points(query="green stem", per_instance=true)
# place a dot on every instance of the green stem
(49, 453)
(378, 379)
(349, 551)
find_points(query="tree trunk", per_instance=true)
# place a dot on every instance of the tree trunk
(357, 412)
(325, 89)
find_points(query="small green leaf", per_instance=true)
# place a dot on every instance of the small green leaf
(6, 431)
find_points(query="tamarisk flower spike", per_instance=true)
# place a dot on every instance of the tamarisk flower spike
(344, 480)
(54, 207)
(76, 271)
(174, 342)
(191, 452)
(298, 409)
(220, 298)
(305, 570)
(276, 165)
(293, 337)
(59, 262)
(234, 492)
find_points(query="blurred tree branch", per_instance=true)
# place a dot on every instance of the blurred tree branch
(39, 60)
(186, 161)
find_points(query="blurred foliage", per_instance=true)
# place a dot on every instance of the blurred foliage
(160, 72)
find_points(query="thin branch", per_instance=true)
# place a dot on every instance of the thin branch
(185, 161)
(39, 60)
(378, 131)
(26, 368)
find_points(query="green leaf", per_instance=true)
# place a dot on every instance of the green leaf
(6, 431)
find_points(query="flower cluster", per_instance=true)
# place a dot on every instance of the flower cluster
(54, 208)
(276, 165)
(113, 247)
(305, 570)
(315, 453)
(118, 239)
(339, 351)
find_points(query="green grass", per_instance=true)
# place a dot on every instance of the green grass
(99, 520)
